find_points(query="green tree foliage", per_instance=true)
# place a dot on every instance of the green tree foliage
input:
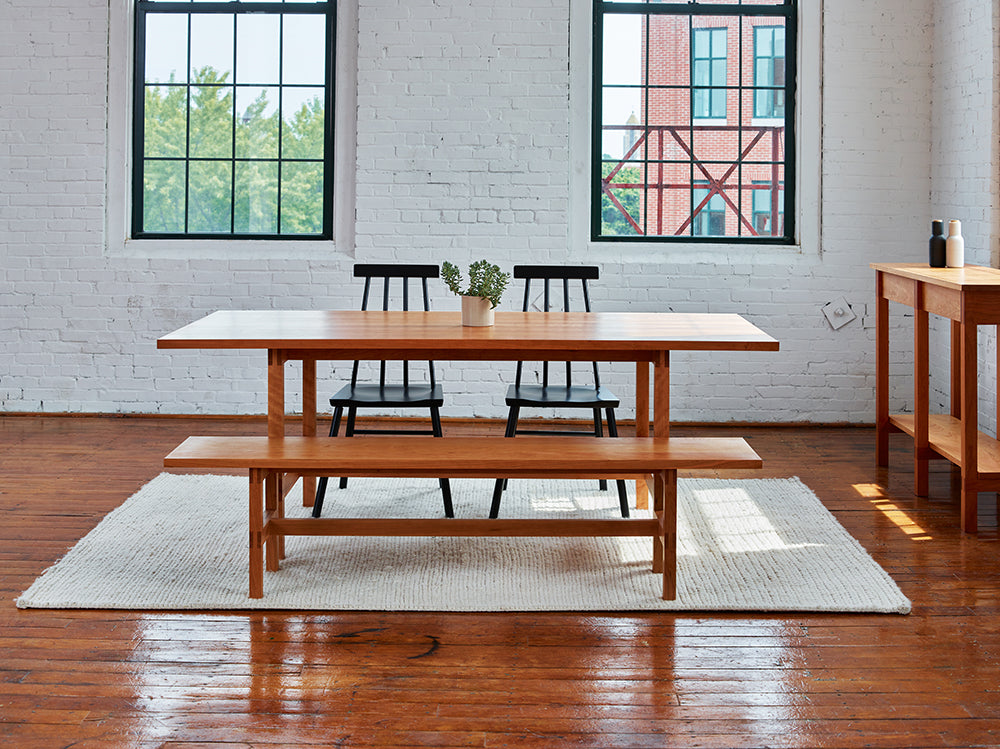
(229, 191)
(613, 222)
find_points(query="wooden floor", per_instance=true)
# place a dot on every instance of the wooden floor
(142, 679)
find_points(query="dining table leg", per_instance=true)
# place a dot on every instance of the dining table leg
(275, 428)
(275, 393)
(641, 425)
(308, 423)
(661, 428)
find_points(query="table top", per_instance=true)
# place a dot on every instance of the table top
(442, 332)
(969, 276)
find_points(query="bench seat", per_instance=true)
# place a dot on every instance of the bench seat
(274, 463)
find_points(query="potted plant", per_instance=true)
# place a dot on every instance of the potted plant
(486, 285)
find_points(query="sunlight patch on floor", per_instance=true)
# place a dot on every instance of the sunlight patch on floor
(737, 522)
(881, 503)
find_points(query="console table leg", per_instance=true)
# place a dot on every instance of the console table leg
(970, 426)
(881, 372)
(921, 393)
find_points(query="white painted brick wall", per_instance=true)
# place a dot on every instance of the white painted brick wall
(463, 110)
(963, 169)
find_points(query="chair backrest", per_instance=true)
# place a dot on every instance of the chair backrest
(563, 274)
(404, 273)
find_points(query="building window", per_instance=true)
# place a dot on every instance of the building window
(679, 92)
(708, 73)
(232, 119)
(769, 71)
(768, 218)
(709, 211)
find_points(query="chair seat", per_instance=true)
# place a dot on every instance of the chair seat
(389, 395)
(566, 397)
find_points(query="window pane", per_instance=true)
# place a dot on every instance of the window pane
(302, 130)
(710, 142)
(211, 122)
(212, 45)
(256, 123)
(257, 38)
(668, 40)
(303, 55)
(210, 197)
(301, 198)
(719, 38)
(163, 196)
(622, 56)
(620, 123)
(165, 121)
(764, 144)
(256, 207)
(166, 48)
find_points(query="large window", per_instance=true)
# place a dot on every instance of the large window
(693, 137)
(232, 128)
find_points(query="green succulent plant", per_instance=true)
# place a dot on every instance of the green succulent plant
(485, 280)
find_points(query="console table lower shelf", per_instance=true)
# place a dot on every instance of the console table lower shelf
(945, 439)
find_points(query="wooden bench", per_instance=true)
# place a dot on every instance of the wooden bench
(276, 463)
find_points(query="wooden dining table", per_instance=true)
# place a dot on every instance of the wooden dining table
(308, 336)
(278, 462)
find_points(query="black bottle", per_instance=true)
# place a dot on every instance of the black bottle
(937, 248)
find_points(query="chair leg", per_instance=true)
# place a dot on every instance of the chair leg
(497, 494)
(501, 484)
(352, 413)
(511, 431)
(622, 492)
(317, 510)
(449, 511)
(599, 432)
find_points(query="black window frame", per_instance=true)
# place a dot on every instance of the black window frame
(327, 10)
(784, 10)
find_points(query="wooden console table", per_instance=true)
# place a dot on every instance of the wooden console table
(969, 297)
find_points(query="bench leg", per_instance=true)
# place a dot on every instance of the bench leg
(274, 505)
(665, 543)
(256, 533)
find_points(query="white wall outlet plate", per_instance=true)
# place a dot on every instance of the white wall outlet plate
(838, 313)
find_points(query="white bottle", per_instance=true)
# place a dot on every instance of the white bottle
(955, 245)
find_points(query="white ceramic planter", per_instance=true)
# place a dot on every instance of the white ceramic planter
(477, 312)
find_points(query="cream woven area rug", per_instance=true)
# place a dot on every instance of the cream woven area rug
(743, 545)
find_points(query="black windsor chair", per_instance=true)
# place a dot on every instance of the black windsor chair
(407, 394)
(590, 396)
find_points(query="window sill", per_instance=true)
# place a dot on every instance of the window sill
(683, 253)
(227, 248)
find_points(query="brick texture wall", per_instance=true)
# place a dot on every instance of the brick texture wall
(463, 115)
(964, 168)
